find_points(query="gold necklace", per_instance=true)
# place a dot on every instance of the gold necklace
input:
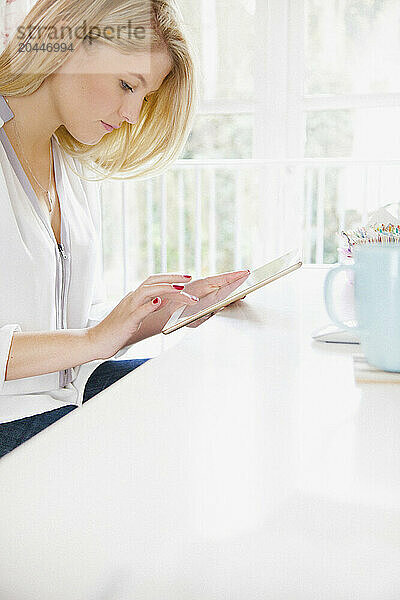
(47, 192)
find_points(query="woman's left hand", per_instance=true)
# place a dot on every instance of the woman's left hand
(213, 285)
(154, 323)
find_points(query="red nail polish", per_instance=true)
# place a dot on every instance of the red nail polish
(178, 287)
(188, 276)
(156, 300)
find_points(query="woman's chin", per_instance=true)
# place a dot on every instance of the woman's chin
(91, 138)
(89, 141)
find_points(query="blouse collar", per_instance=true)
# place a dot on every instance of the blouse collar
(5, 111)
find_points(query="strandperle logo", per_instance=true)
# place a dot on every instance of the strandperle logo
(32, 33)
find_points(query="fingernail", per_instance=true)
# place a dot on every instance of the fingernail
(195, 298)
(248, 270)
(178, 287)
(156, 300)
(188, 276)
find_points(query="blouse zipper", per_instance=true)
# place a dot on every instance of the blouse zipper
(62, 251)
(64, 257)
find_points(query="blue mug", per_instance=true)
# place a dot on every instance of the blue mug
(376, 300)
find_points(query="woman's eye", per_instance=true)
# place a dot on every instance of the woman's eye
(125, 86)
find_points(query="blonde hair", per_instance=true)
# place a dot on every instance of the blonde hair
(142, 150)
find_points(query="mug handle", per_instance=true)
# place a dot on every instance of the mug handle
(328, 296)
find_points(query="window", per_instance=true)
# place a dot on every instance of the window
(293, 142)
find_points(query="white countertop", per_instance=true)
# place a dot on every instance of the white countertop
(243, 463)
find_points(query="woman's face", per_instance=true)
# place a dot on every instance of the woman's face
(101, 84)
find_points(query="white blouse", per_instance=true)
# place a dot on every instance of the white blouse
(45, 286)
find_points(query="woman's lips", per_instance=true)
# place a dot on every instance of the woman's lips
(108, 127)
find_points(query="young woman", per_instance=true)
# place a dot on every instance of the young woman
(119, 100)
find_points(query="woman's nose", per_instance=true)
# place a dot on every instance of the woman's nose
(132, 116)
(130, 120)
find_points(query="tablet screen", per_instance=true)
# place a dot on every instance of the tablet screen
(236, 289)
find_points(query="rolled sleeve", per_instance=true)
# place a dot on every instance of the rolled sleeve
(6, 335)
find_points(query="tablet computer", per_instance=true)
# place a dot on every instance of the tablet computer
(234, 291)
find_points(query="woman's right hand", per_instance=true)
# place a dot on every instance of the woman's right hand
(117, 329)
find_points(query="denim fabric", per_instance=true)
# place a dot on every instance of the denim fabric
(14, 433)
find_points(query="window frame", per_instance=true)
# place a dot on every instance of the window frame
(280, 105)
